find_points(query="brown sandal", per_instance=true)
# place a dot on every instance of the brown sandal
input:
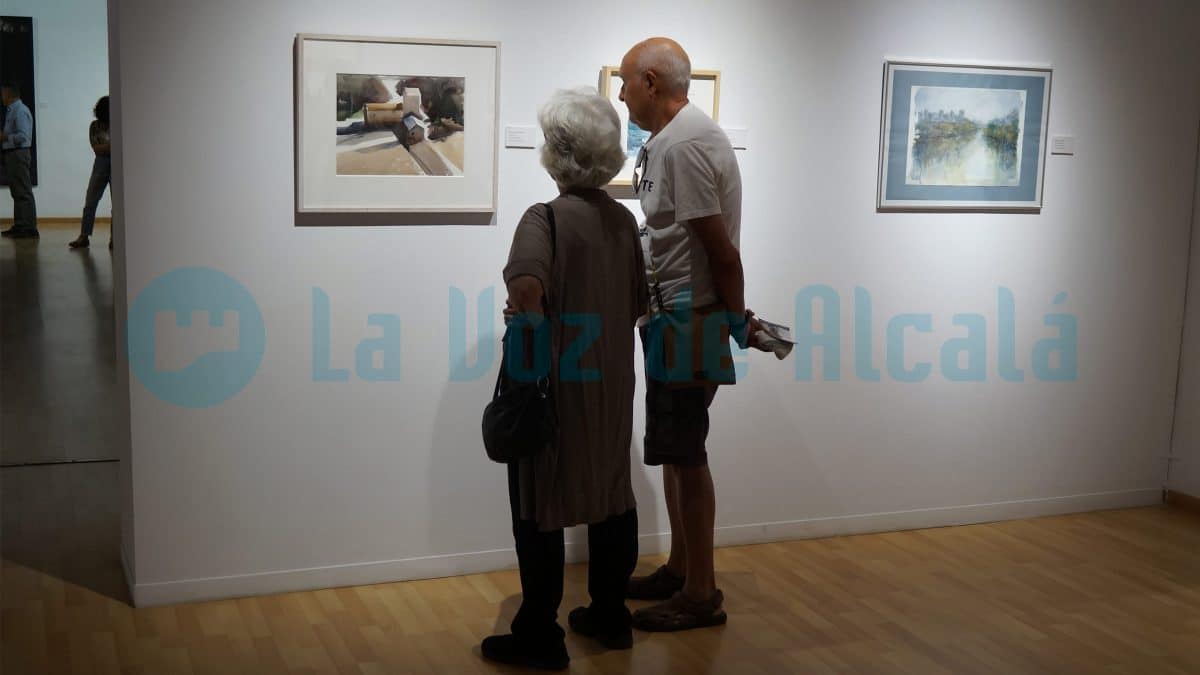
(681, 613)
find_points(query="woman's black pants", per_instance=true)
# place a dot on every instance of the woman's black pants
(612, 555)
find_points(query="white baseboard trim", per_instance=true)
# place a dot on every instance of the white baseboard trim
(947, 516)
(333, 576)
(356, 574)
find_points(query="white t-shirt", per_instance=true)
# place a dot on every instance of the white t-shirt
(689, 171)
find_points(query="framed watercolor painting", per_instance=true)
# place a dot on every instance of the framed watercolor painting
(963, 137)
(704, 92)
(395, 125)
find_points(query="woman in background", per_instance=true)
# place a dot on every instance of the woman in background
(101, 173)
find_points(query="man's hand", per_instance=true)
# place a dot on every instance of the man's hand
(746, 332)
(755, 329)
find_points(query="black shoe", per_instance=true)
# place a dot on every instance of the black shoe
(659, 585)
(21, 233)
(512, 650)
(581, 621)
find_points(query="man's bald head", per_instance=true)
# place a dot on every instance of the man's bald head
(655, 75)
(667, 60)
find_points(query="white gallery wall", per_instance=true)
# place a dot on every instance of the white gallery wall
(1185, 469)
(294, 483)
(70, 54)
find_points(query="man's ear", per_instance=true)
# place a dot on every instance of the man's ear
(651, 83)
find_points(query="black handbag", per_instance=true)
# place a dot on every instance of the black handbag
(520, 420)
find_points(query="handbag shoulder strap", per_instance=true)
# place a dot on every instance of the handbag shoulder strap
(553, 255)
(500, 376)
(553, 230)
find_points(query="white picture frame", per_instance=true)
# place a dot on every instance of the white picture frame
(323, 186)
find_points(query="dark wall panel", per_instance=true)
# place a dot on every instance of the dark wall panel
(16, 66)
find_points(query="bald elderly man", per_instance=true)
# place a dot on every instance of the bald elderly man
(690, 189)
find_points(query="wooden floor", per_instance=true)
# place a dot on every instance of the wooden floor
(1109, 592)
(57, 351)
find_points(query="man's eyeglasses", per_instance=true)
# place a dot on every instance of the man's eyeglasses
(637, 169)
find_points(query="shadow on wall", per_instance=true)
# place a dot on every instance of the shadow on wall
(756, 418)
(469, 492)
(472, 499)
(391, 219)
(62, 529)
(649, 502)
(784, 476)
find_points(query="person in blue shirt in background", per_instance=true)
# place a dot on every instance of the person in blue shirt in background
(15, 143)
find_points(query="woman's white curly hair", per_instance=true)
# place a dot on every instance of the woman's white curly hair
(583, 139)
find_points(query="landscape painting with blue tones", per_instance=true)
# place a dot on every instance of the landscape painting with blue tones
(962, 136)
(637, 138)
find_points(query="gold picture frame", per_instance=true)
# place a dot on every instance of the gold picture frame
(705, 93)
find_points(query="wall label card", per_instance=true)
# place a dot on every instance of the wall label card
(1062, 145)
(739, 137)
(516, 136)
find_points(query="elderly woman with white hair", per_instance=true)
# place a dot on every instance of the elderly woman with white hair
(580, 253)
